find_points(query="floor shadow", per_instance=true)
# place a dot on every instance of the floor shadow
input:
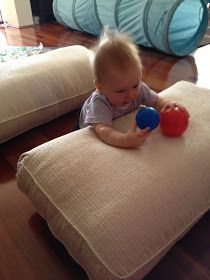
(41, 229)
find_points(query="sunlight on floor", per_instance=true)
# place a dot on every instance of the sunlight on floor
(201, 56)
(3, 39)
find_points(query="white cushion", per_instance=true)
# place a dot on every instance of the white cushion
(118, 211)
(42, 87)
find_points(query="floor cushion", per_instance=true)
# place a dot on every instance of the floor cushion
(119, 211)
(40, 88)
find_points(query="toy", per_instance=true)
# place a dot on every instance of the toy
(173, 121)
(147, 117)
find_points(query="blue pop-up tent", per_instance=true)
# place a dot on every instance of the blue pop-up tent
(172, 26)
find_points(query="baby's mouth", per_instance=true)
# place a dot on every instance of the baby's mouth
(124, 105)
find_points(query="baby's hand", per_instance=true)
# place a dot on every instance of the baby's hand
(175, 104)
(135, 137)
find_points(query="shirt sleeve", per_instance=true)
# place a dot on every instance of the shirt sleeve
(96, 110)
(149, 96)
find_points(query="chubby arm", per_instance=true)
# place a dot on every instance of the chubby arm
(132, 139)
(163, 103)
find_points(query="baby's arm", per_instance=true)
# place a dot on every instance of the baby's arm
(132, 139)
(163, 103)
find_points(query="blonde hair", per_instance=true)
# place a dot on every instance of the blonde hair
(114, 49)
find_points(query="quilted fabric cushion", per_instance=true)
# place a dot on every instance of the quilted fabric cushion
(118, 211)
(42, 87)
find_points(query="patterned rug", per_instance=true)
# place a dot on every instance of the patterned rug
(11, 53)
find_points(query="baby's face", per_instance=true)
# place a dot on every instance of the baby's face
(121, 87)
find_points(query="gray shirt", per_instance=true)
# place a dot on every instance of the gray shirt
(97, 108)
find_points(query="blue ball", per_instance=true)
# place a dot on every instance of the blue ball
(147, 117)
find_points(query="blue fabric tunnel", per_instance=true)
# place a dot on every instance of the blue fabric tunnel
(175, 27)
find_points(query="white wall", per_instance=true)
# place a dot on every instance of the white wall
(16, 12)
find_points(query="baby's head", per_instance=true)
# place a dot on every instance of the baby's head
(117, 68)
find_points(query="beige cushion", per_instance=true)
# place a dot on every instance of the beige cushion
(42, 87)
(119, 211)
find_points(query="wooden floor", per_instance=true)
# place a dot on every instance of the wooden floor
(27, 248)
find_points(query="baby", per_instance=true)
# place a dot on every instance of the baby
(119, 90)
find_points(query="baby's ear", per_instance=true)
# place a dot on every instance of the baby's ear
(98, 85)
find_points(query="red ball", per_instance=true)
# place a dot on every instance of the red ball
(173, 121)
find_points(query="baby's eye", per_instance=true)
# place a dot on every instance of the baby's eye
(135, 86)
(120, 90)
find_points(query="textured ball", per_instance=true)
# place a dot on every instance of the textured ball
(173, 122)
(147, 117)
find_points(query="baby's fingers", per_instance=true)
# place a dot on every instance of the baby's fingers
(184, 110)
(144, 131)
